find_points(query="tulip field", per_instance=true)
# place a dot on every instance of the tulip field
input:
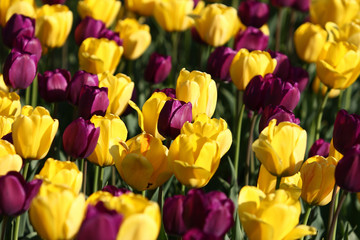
(180, 119)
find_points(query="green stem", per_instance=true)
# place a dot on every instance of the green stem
(27, 95)
(16, 228)
(278, 29)
(34, 93)
(331, 233)
(96, 178)
(26, 168)
(348, 97)
(84, 170)
(183, 189)
(101, 177)
(174, 55)
(307, 215)
(278, 181)
(3, 229)
(334, 200)
(113, 176)
(320, 114)
(238, 139)
(249, 149)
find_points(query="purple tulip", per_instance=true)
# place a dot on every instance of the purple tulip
(115, 191)
(80, 79)
(252, 39)
(253, 13)
(302, 5)
(255, 91)
(197, 234)
(320, 147)
(219, 62)
(53, 85)
(111, 35)
(29, 45)
(19, 69)
(280, 113)
(16, 27)
(282, 69)
(16, 194)
(347, 170)
(93, 101)
(88, 27)
(173, 116)
(100, 223)
(158, 68)
(170, 92)
(52, 2)
(300, 76)
(80, 138)
(173, 220)
(346, 132)
(282, 3)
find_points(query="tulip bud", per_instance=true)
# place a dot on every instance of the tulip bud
(111, 35)
(9, 160)
(173, 116)
(158, 68)
(347, 170)
(52, 2)
(219, 62)
(319, 147)
(253, 13)
(252, 39)
(93, 101)
(19, 69)
(255, 91)
(142, 7)
(9, 104)
(16, 194)
(169, 92)
(172, 216)
(282, 69)
(53, 85)
(80, 79)
(282, 3)
(280, 113)
(105, 10)
(88, 27)
(29, 45)
(16, 27)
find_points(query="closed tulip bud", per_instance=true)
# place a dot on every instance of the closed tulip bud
(88, 27)
(9, 160)
(302, 5)
(282, 3)
(347, 169)
(280, 113)
(173, 15)
(80, 79)
(53, 85)
(169, 92)
(34, 122)
(173, 116)
(252, 39)
(16, 194)
(29, 45)
(5, 125)
(99, 55)
(16, 27)
(309, 39)
(57, 212)
(199, 89)
(80, 138)
(111, 35)
(259, 213)
(53, 25)
(19, 69)
(283, 66)
(219, 62)
(9, 104)
(142, 7)
(247, 65)
(268, 148)
(93, 101)
(298, 76)
(52, 2)
(24, 7)
(158, 68)
(106, 10)
(253, 13)
(172, 215)
(319, 147)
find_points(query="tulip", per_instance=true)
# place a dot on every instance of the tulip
(80, 79)
(346, 131)
(282, 3)
(309, 39)
(173, 15)
(93, 101)
(319, 147)
(9, 104)
(111, 35)
(247, 65)
(5, 125)
(52, 2)
(219, 61)
(349, 32)
(270, 216)
(3, 86)
(115, 191)
(172, 215)
(16, 194)
(253, 13)
(158, 68)
(199, 89)
(120, 89)
(173, 116)
(29, 45)
(252, 39)
(318, 87)
(283, 66)
(281, 159)
(19, 69)
(9, 160)
(57, 212)
(53, 85)
(347, 169)
(113, 134)
(169, 92)
(99, 55)
(333, 152)
(33, 132)
(141, 7)
(11, 7)
(88, 27)
(80, 138)
(53, 25)
(298, 76)
(16, 27)
(301, 5)
(106, 10)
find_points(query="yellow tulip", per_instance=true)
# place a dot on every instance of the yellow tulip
(338, 65)
(215, 129)
(104, 10)
(57, 212)
(199, 89)
(309, 39)
(136, 37)
(10, 7)
(281, 148)
(9, 160)
(142, 7)
(194, 159)
(120, 89)
(5, 125)
(99, 55)
(333, 152)
(316, 84)
(33, 132)
(217, 24)
(144, 165)
(9, 104)
(64, 173)
(350, 32)
(273, 216)
(247, 65)
(53, 25)
(113, 133)
(3, 86)
(318, 178)
(173, 15)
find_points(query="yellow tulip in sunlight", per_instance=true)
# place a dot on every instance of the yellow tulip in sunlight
(316, 85)
(9, 104)
(5, 125)
(9, 160)
(142, 7)
(104, 10)
(10, 7)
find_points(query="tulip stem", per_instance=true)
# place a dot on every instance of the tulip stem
(101, 177)
(320, 114)
(27, 95)
(84, 171)
(34, 93)
(175, 43)
(249, 149)
(348, 97)
(16, 228)
(307, 215)
(96, 178)
(183, 189)
(3, 229)
(278, 29)
(331, 234)
(26, 168)
(113, 176)
(238, 138)
(333, 205)
(278, 181)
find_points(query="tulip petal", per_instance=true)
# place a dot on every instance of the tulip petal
(191, 175)
(139, 227)
(300, 231)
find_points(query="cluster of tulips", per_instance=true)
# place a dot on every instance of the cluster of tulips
(126, 119)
